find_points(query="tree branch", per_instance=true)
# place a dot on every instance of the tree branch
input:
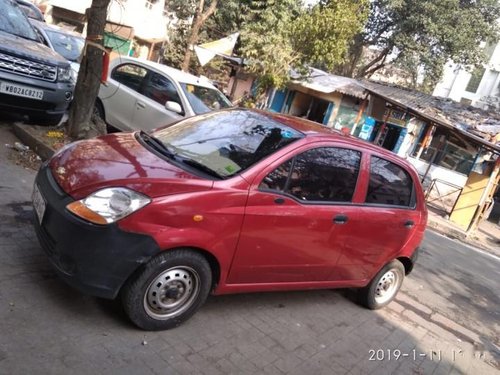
(198, 22)
(382, 56)
(210, 11)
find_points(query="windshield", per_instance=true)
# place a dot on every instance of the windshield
(67, 45)
(204, 99)
(226, 142)
(31, 13)
(14, 21)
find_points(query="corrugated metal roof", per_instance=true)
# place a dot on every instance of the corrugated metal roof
(473, 122)
(324, 82)
(465, 119)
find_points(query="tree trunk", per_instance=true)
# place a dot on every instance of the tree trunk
(198, 21)
(89, 76)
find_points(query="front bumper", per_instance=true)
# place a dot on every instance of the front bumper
(94, 259)
(56, 96)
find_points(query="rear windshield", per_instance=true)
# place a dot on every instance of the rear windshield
(14, 21)
(226, 142)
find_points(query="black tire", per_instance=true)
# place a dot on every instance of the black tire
(168, 290)
(99, 110)
(46, 120)
(384, 286)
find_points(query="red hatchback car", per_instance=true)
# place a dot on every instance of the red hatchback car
(227, 202)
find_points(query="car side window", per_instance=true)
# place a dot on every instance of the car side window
(276, 180)
(389, 184)
(161, 90)
(326, 174)
(130, 75)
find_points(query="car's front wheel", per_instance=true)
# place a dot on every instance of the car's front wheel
(384, 286)
(168, 290)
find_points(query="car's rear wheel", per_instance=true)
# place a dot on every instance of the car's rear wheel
(168, 290)
(384, 286)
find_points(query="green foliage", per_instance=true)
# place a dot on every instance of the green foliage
(282, 34)
(266, 40)
(424, 34)
(175, 49)
(322, 35)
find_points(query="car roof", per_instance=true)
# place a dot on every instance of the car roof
(176, 74)
(313, 129)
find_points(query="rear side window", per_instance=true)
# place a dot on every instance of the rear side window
(389, 184)
(326, 174)
(130, 75)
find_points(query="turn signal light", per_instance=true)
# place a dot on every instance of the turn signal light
(79, 209)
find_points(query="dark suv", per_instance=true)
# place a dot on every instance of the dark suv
(34, 80)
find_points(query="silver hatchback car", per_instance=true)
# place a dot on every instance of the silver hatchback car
(144, 95)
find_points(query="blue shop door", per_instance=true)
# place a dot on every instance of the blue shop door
(278, 100)
(328, 113)
(400, 140)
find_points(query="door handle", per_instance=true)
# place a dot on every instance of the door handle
(340, 219)
(409, 223)
(141, 105)
(279, 201)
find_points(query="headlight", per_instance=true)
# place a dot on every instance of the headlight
(108, 205)
(64, 74)
(74, 75)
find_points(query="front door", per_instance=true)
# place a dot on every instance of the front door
(150, 111)
(298, 218)
(119, 95)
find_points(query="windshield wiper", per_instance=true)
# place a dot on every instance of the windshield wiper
(196, 164)
(157, 144)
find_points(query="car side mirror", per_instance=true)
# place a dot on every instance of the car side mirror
(174, 107)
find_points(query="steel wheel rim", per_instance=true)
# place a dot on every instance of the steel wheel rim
(171, 293)
(387, 286)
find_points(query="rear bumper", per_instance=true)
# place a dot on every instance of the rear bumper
(94, 259)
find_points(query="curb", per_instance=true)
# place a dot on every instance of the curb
(448, 232)
(24, 133)
(455, 234)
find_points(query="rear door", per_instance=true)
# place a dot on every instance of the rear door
(119, 95)
(298, 218)
(385, 221)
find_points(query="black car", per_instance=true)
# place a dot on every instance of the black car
(34, 80)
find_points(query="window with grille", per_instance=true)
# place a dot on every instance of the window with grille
(475, 80)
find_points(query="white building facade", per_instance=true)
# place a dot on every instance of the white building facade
(479, 88)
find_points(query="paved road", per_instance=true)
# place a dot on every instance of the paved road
(444, 321)
(461, 283)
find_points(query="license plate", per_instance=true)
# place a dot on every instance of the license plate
(18, 90)
(38, 203)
